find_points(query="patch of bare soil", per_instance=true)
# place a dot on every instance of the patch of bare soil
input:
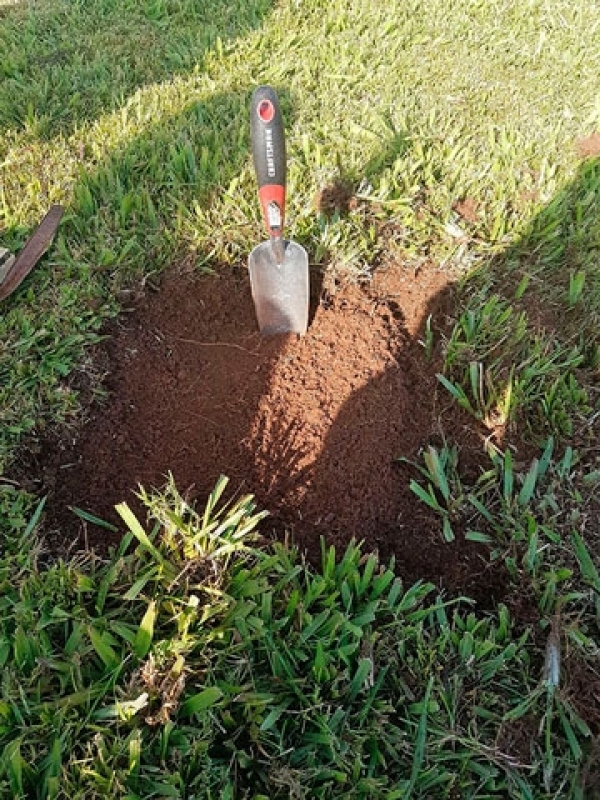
(589, 146)
(468, 209)
(336, 198)
(312, 426)
(583, 691)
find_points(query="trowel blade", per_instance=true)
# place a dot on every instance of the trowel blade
(280, 291)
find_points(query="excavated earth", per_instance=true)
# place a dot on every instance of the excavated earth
(313, 426)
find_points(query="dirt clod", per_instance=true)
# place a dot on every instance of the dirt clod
(337, 198)
(589, 146)
(468, 209)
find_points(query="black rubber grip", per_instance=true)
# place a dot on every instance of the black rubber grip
(268, 137)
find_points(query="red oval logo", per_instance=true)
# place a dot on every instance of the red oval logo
(266, 110)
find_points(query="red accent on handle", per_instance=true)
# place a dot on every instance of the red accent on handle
(272, 193)
(266, 110)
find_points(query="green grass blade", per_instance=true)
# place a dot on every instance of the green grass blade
(546, 458)
(136, 529)
(421, 740)
(437, 472)
(478, 536)
(93, 519)
(586, 563)
(529, 484)
(508, 477)
(145, 634)
(456, 391)
(35, 518)
(447, 529)
(427, 497)
(203, 700)
(359, 681)
(107, 654)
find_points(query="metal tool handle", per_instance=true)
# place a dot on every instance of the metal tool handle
(268, 151)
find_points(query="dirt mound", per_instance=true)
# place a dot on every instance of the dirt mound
(312, 426)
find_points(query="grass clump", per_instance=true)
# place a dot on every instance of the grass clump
(511, 378)
(192, 664)
(524, 352)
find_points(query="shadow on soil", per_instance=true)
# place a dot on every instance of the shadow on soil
(312, 426)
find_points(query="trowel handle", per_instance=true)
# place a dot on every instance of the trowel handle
(268, 151)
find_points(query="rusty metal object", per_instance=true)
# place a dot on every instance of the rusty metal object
(13, 273)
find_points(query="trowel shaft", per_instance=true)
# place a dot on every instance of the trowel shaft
(278, 247)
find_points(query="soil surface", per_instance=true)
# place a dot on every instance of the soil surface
(589, 146)
(313, 426)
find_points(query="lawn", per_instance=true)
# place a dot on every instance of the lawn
(200, 664)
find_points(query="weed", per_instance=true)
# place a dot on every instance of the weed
(443, 491)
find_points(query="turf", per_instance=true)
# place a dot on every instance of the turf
(199, 666)
(466, 137)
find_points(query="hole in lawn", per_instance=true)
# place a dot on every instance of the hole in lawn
(312, 426)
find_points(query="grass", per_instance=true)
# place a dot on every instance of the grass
(200, 665)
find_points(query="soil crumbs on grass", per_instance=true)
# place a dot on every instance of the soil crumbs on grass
(313, 426)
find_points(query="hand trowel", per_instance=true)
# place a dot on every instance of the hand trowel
(279, 274)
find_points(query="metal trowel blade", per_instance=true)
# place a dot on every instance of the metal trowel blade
(280, 291)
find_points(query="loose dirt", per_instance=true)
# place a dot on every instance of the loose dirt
(589, 146)
(312, 426)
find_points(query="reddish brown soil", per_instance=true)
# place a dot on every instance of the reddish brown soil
(312, 426)
(336, 198)
(589, 146)
(468, 209)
